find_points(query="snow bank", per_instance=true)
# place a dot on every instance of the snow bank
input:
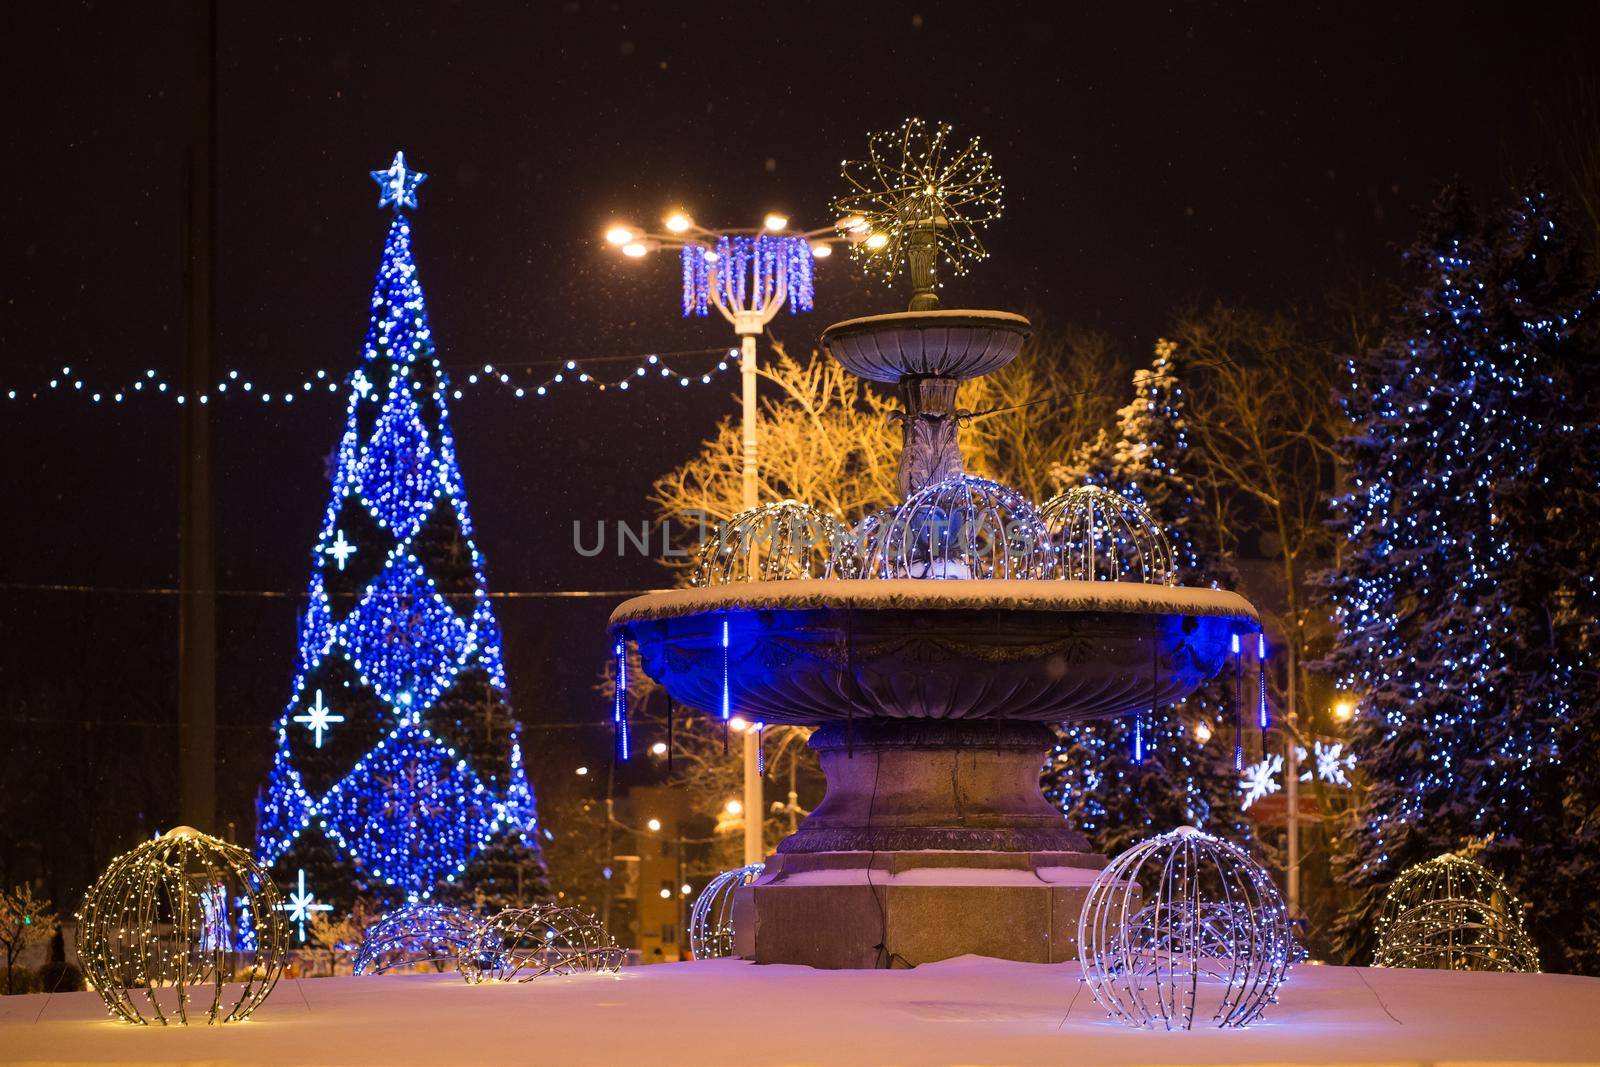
(726, 1013)
(926, 594)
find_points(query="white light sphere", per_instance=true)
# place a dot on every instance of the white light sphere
(1101, 535)
(188, 924)
(1455, 915)
(1184, 926)
(417, 935)
(711, 918)
(772, 542)
(521, 944)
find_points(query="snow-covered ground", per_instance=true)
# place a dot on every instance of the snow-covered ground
(726, 1012)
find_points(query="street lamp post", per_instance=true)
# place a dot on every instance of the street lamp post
(748, 275)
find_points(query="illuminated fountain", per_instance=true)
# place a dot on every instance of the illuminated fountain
(934, 644)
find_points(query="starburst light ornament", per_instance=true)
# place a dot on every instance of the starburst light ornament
(916, 199)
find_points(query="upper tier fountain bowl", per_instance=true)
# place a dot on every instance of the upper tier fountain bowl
(820, 650)
(955, 345)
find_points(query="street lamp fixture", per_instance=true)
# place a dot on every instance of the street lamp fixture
(748, 275)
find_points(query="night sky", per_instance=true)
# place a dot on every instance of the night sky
(1154, 158)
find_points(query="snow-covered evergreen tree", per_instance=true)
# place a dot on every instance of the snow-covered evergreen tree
(398, 772)
(1465, 598)
(1115, 786)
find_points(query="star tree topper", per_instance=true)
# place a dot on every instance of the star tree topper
(398, 185)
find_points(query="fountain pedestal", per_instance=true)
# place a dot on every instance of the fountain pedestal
(933, 841)
(933, 785)
(861, 910)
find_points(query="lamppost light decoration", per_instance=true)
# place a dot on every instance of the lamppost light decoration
(745, 273)
(918, 199)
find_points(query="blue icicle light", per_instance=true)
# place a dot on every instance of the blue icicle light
(619, 703)
(745, 272)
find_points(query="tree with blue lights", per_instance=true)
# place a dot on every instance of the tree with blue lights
(398, 773)
(1123, 779)
(1465, 598)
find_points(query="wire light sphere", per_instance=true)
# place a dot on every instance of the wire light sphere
(1184, 925)
(521, 944)
(915, 179)
(711, 918)
(962, 527)
(1456, 915)
(750, 272)
(415, 936)
(1101, 535)
(192, 922)
(772, 542)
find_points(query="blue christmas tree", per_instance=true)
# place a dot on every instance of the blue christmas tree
(1123, 779)
(398, 773)
(1466, 597)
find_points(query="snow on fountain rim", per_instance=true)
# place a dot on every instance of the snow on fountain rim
(922, 594)
(936, 318)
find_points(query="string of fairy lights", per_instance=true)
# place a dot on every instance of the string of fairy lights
(519, 380)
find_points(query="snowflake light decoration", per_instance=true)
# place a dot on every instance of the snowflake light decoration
(1259, 780)
(1332, 763)
(917, 199)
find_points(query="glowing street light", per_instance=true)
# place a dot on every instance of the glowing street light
(733, 807)
(748, 275)
(1344, 711)
(654, 825)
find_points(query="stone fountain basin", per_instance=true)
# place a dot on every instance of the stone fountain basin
(811, 652)
(926, 344)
